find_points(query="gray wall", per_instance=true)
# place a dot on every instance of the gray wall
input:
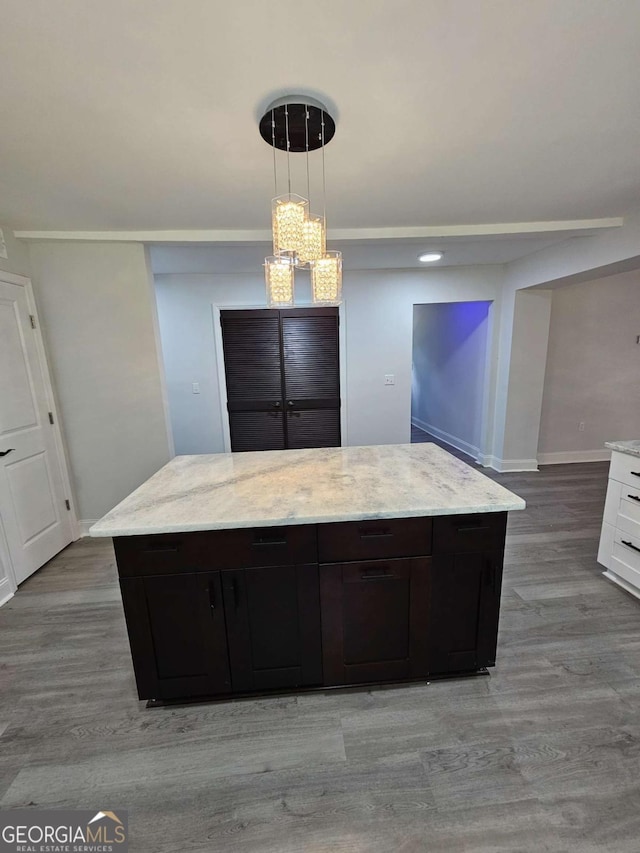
(97, 311)
(523, 399)
(593, 368)
(449, 361)
(377, 327)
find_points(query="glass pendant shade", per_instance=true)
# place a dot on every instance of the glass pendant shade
(278, 274)
(288, 215)
(314, 243)
(326, 279)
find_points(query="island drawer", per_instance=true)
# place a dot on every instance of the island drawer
(625, 469)
(460, 534)
(374, 540)
(205, 551)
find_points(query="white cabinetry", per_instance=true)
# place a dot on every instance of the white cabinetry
(619, 548)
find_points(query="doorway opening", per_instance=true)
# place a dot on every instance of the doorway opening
(448, 376)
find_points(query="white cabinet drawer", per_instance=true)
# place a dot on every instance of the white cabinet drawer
(625, 469)
(626, 549)
(628, 516)
(628, 574)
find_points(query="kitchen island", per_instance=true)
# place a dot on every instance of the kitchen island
(244, 573)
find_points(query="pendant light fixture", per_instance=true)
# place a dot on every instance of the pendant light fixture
(299, 124)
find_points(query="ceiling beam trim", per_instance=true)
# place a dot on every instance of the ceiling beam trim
(225, 235)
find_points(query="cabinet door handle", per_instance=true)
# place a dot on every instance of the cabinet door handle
(636, 473)
(277, 404)
(634, 497)
(490, 575)
(234, 592)
(376, 575)
(212, 595)
(630, 545)
(468, 527)
(6, 452)
(376, 533)
(291, 404)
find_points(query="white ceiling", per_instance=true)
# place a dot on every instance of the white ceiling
(143, 115)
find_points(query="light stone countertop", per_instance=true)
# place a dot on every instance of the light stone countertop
(280, 487)
(631, 447)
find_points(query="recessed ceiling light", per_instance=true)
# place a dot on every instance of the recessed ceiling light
(427, 257)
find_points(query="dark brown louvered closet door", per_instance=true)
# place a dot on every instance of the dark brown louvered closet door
(253, 370)
(283, 378)
(311, 377)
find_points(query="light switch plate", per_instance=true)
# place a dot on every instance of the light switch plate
(3, 246)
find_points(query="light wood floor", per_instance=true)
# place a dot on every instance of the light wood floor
(542, 756)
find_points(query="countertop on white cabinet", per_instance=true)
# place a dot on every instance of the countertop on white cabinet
(632, 447)
(283, 487)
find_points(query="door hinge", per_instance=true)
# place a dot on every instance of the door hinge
(67, 503)
(50, 417)
(33, 321)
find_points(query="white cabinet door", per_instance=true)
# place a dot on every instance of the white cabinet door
(32, 500)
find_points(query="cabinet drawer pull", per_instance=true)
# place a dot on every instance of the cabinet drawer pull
(634, 497)
(376, 533)
(376, 575)
(212, 596)
(164, 549)
(467, 528)
(630, 545)
(261, 542)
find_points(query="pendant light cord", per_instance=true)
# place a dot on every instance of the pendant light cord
(324, 183)
(306, 143)
(286, 122)
(273, 145)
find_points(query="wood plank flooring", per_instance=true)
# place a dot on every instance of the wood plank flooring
(542, 756)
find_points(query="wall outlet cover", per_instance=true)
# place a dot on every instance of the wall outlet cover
(3, 246)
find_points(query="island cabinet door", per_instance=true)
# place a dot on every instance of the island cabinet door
(463, 619)
(177, 634)
(273, 627)
(374, 620)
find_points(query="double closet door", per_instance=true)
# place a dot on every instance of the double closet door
(283, 378)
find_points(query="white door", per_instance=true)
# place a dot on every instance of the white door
(33, 512)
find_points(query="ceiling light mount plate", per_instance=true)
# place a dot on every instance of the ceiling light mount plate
(295, 106)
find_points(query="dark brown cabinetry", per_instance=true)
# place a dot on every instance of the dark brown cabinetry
(273, 627)
(374, 619)
(283, 378)
(235, 612)
(466, 581)
(177, 634)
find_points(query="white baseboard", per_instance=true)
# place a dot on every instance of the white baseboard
(565, 456)
(452, 440)
(6, 591)
(508, 465)
(85, 524)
